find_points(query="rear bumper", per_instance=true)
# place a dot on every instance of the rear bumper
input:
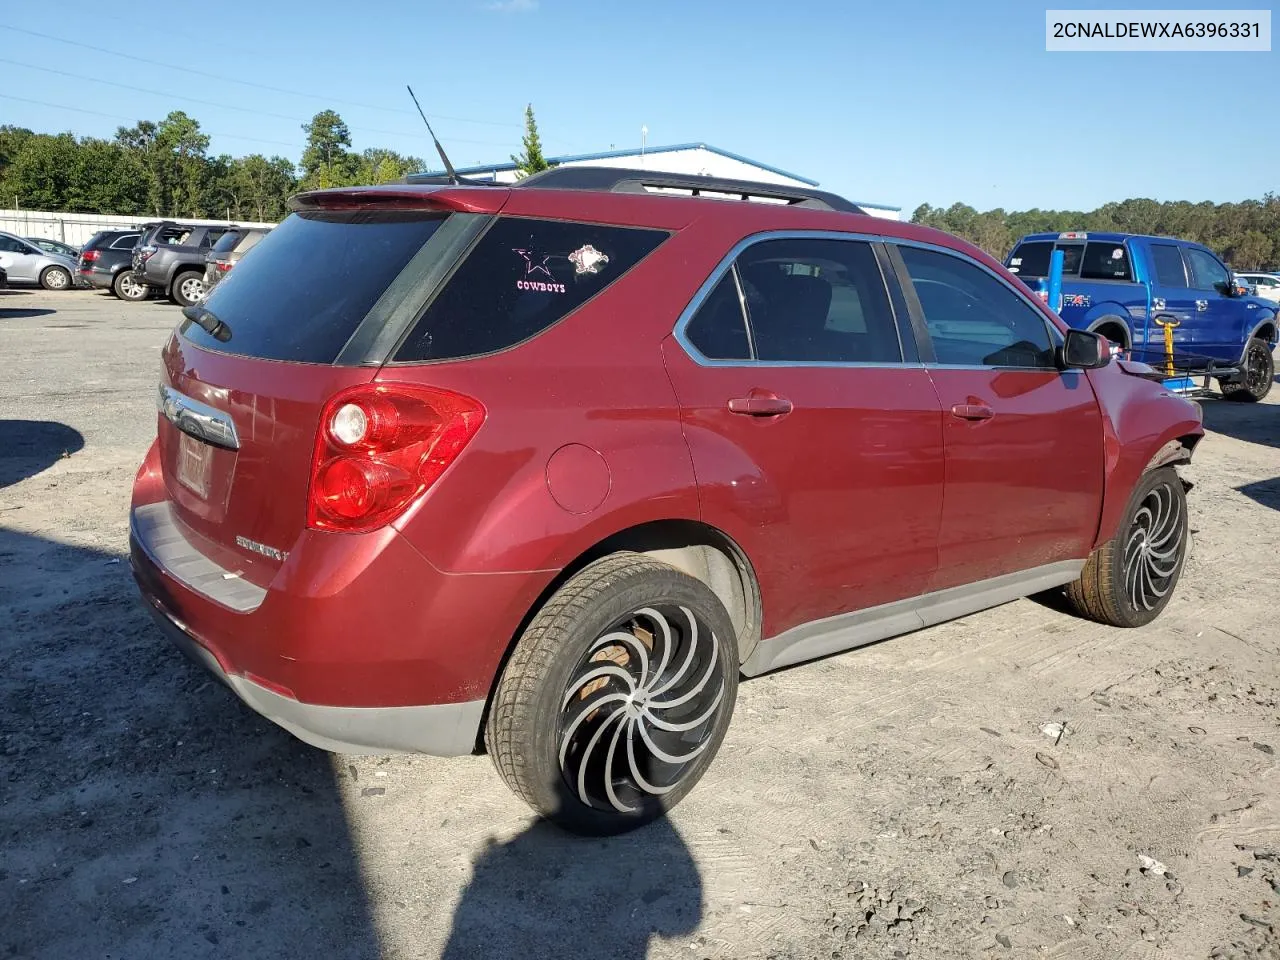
(445, 729)
(356, 644)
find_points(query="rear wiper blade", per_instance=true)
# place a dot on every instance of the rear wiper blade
(208, 321)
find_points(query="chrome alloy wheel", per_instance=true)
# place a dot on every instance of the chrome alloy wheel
(640, 707)
(130, 288)
(1153, 548)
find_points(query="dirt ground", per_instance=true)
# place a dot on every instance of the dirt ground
(1019, 783)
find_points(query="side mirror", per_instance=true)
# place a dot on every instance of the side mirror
(1083, 350)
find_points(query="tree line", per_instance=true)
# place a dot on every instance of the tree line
(1246, 234)
(163, 168)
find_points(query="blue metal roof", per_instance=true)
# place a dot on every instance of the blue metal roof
(610, 154)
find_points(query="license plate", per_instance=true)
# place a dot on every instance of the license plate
(195, 461)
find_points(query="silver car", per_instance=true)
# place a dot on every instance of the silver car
(24, 262)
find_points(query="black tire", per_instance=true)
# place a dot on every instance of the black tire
(127, 287)
(55, 278)
(181, 291)
(565, 685)
(1129, 580)
(1259, 374)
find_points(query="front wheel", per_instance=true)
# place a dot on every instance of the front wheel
(55, 278)
(187, 288)
(127, 286)
(1129, 580)
(616, 697)
(1259, 374)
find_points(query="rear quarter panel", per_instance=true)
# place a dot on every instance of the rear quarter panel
(1138, 418)
(590, 393)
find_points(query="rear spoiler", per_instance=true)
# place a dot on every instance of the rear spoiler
(449, 199)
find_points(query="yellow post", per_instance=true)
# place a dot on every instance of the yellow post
(1168, 345)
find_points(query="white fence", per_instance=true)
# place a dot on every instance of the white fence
(77, 228)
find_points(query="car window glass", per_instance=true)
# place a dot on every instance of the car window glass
(1104, 261)
(818, 301)
(719, 330)
(1072, 253)
(523, 276)
(249, 241)
(10, 245)
(1031, 259)
(227, 241)
(126, 242)
(338, 265)
(1169, 269)
(973, 318)
(1206, 272)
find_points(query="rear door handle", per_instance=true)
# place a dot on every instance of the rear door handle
(760, 405)
(972, 411)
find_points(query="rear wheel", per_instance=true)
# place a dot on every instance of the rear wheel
(1259, 374)
(188, 287)
(616, 697)
(55, 278)
(1129, 580)
(126, 286)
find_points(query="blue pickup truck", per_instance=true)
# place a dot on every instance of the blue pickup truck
(1128, 287)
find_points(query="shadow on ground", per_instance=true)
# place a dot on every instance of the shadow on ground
(144, 812)
(547, 894)
(1251, 422)
(23, 314)
(29, 446)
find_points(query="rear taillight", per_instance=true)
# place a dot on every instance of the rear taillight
(89, 256)
(222, 266)
(379, 447)
(147, 253)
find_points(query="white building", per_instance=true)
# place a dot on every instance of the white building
(686, 158)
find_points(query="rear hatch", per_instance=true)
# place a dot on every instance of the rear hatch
(249, 398)
(218, 260)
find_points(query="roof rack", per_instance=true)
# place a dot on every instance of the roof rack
(620, 180)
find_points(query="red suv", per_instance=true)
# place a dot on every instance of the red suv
(542, 470)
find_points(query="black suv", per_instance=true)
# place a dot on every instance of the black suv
(170, 256)
(106, 263)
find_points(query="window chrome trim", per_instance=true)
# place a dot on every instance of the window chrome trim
(197, 419)
(726, 263)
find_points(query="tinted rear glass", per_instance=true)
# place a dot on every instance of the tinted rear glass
(1169, 269)
(100, 239)
(227, 242)
(1105, 261)
(1032, 259)
(311, 282)
(523, 276)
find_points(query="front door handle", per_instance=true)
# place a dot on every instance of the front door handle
(972, 411)
(760, 404)
(1202, 305)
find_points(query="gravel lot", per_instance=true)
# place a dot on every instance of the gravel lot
(987, 787)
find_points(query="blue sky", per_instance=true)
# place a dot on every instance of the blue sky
(899, 103)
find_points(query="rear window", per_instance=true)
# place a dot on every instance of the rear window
(1032, 259)
(1105, 261)
(523, 276)
(249, 241)
(100, 239)
(227, 242)
(302, 295)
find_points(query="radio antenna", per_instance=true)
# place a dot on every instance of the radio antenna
(444, 157)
